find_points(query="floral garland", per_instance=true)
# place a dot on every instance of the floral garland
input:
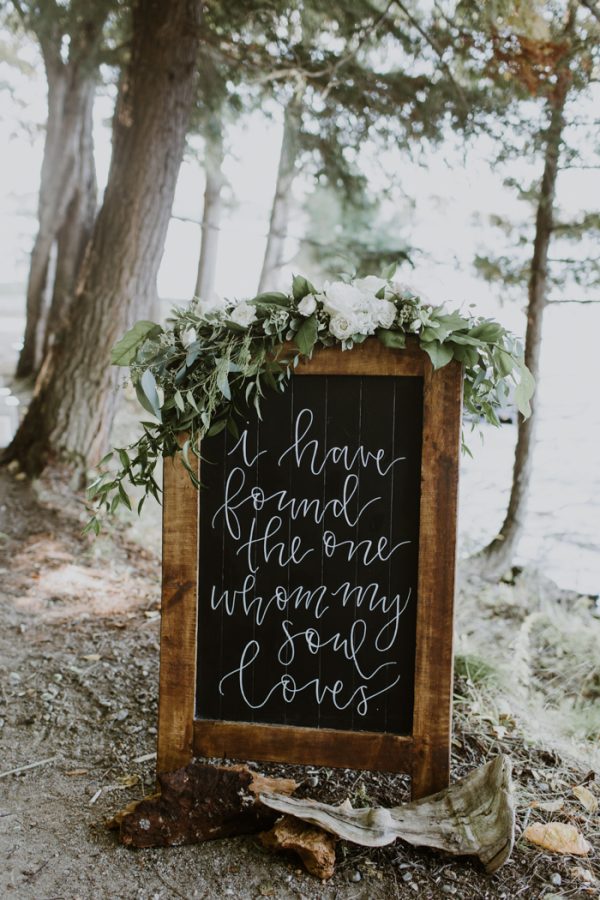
(213, 359)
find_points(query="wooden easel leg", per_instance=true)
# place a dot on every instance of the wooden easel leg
(430, 772)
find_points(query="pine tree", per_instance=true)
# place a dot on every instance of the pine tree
(75, 394)
(72, 39)
(539, 61)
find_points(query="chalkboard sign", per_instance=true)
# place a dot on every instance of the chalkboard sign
(308, 586)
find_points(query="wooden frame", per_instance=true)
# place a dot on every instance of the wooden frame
(425, 754)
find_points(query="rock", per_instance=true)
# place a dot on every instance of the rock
(356, 876)
(556, 879)
(314, 846)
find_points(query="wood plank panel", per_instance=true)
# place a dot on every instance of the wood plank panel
(177, 680)
(305, 746)
(437, 552)
(369, 358)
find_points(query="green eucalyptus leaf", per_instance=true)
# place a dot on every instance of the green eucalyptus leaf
(179, 401)
(467, 339)
(439, 354)
(216, 428)
(124, 497)
(124, 351)
(505, 363)
(271, 298)
(466, 355)
(301, 287)
(488, 332)
(191, 401)
(430, 334)
(524, 390)
(193, 352)
(148, 395)
(451, 321)
(390, 338)
(222, 378)
(306, 336)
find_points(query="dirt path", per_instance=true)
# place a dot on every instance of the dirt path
(78, 678)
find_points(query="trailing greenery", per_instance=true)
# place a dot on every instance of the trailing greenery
(196, 376)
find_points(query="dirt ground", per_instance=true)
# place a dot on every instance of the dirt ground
(78, 685)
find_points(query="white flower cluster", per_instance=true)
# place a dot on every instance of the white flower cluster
(347, 310)
(354, 309)
(243, 314)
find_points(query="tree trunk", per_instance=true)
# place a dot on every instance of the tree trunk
(211, 217)
(70, 92)
(76, 230)
(72, 409)
(282, 201)
(497, 557)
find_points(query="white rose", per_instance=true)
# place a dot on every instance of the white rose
(402, 289)
(343, 327)
(243, 314)
(206, 307)
(365, 323)
(189, 336)
(371, 284)
(341, 297)
(386, 313)
(307, 305)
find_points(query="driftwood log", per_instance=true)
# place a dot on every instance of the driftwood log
(474, 817)
(198, 803)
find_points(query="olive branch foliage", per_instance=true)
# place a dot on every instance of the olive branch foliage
(195, 389)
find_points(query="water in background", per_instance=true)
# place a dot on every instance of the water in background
(562, 534)
(563, 524)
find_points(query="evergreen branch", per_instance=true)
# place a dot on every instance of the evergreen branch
(437, 49)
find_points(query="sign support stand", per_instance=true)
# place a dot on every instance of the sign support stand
(425, 753)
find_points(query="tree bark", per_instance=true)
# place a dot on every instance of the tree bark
(199, 803)
(75, 233)
(282, 201)
(497, 557)
(71, 87)
(72, 408)
(211, 216)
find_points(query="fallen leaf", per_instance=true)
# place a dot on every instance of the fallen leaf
(92, 657)
(548, 805)
(582, 874)
(499, 731)
(128, 780)
(152, 613)
(586, 798)
(74, 772)
(558, 838)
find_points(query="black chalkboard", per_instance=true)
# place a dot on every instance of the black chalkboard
(308, 558)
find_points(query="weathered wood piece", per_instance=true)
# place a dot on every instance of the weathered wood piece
(315, 847)
(474, 817)
(199, 803)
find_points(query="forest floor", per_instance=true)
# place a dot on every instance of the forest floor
(78, 686)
